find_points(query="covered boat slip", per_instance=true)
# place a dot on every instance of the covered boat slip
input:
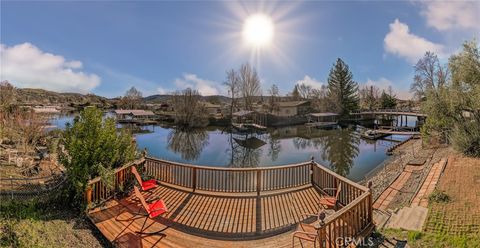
(218, 207)
(246, 120)
(322, 120)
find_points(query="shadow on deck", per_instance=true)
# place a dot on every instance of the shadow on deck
(220, 217)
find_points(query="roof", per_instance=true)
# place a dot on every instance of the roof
(292, 103)
(323, 114)
(136, 112)
(242, 113)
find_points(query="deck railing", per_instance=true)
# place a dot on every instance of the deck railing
(353, 218)
(231, 180)
(99, 191)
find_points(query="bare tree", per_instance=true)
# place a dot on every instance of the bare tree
(189, 111)
(250, 84)
(26, 129)
(305, 91)
(233, 86)
(429, 75)
(131, 99)
(369, 97)
(7, 96)
(273, 99)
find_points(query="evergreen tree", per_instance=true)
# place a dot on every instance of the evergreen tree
(342, 90)
(388, 101)
(94, 147)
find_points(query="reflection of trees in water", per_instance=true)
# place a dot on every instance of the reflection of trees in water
(242, 157)
(274, 147)
(189, 144)
(339, 147)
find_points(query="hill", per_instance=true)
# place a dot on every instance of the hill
(28, 96)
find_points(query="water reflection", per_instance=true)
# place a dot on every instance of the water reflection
(188, 143)
(244, 151)
(337, 148)
(341, 150)
(274, 148)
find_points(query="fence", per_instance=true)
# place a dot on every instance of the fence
(28, 188)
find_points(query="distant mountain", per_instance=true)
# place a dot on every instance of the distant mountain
(30, 96)
(166, 98)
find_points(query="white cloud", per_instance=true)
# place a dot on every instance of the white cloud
(452, 15)
(401, 42)
(25, 65)
(384, 83)
(307, 80)
(162, 91)
(204, 86)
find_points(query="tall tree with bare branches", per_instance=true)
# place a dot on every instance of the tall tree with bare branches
(273, 99)
(189, 111)
(132, 98)
(430, 75)
(233, 86)
(250, 84)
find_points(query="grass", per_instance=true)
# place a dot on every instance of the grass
(427, 239)
(40, 225)
(438, 197)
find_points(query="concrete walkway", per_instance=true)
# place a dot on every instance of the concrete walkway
(421, 198)
(408, 218)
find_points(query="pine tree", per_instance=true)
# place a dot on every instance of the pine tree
(342, 90)
(388, 101)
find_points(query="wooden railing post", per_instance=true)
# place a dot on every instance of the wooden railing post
(312, 163)
(194, 179)
(259, 181)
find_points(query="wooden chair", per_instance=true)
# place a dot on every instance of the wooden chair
(331, 201)
(152, 210)
(309, 232)
(144, 185)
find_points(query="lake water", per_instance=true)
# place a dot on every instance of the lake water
(342, 150)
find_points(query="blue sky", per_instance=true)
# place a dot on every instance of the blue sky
(159, 47)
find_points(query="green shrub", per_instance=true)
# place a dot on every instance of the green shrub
(414, 235)
(94, 147)
(438, 197)
(466, 138)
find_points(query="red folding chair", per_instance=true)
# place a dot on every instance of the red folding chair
(152, 210)
(144, 185)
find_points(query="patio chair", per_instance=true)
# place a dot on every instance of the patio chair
(309, 232)
(144, 185)
(331, 201)
(152, 210)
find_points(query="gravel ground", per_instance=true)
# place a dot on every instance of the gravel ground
(384, 176)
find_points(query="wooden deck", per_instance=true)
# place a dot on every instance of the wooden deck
(228, 207)
(213, 217)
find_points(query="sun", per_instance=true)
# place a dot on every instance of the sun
(258, 30)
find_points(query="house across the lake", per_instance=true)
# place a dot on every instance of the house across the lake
(292, 108)
(137, 116)
(213, 109)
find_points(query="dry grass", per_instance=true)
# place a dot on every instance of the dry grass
(461, 216)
